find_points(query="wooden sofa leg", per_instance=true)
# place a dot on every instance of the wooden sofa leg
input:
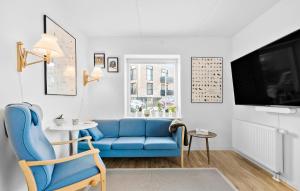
(181, 160)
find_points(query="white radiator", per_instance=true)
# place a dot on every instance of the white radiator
(264, 144)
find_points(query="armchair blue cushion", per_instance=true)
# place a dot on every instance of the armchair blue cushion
(28, 140)
(23, 123)
(65, 174)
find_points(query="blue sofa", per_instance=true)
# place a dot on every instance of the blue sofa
(134, 138)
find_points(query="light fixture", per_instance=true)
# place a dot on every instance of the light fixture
(95, 75)
(46, 49)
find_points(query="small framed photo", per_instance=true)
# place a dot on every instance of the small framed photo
(99, 59)
(112, 64)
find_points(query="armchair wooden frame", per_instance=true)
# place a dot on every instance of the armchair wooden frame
(101, 177)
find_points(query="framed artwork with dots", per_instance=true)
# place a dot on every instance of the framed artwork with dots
(207, 79)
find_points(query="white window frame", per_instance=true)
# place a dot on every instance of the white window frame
(177, 80)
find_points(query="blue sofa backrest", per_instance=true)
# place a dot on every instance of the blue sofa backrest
(132, 128)
(109, 128)
(158, 127)
(23, 123)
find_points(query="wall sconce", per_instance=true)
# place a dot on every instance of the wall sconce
(95, 75)
(46, 49)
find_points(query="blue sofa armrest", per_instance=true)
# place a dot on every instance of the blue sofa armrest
(177, 136)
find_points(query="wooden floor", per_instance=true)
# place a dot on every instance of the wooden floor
(242, 173)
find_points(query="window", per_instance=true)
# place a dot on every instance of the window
(133, 88)
(149, 73)
(152, 83)
(132, 73)
(149, 88)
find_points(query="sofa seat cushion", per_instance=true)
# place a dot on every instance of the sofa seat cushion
(153, 143)
(125, 143)
(103, 144)
(72, 172)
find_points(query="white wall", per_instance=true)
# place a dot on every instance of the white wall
(23, 20)
(106, 98)
(280, 20)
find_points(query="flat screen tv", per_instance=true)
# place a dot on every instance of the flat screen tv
(270, 75)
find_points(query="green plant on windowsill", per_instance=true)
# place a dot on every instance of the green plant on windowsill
(172, 109)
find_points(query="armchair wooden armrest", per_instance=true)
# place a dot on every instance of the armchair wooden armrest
(88, 138)
(25, 166)
(61, 160)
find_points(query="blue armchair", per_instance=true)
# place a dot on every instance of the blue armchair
(43, 172)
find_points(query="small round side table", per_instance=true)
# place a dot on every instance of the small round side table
(206, 137)
(73, 131)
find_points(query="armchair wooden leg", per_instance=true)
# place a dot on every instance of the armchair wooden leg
(103, 182)
(31, 184)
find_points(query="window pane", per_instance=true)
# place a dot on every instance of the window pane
(133, 73)
(149, 73)
(133, 88)
(149, 88)
(152, 87)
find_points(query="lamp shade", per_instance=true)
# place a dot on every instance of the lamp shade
(48, 45)
(96, 73)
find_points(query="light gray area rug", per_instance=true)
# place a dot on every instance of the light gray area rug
(166, 179)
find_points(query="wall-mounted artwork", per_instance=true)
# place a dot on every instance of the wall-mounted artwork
(207, 79)
(113, 64)
(99, 59)
(61, 73)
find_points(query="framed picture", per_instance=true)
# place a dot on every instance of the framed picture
(61, 73)
(99, 59)
(113, 64)
(207, 79)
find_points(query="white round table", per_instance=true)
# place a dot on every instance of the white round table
(73, 131)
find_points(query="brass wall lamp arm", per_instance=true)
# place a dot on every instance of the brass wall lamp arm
(46, 48)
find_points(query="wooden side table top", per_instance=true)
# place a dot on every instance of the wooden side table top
(194, 134)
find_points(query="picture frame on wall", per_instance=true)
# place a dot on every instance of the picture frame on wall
(99, 59)
(112, 64)
(207, 79)
(61, 74)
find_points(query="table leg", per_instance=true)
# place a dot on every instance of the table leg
(70, 145)
(207, 150)
(191, 137)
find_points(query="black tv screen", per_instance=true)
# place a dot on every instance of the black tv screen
(269, 75)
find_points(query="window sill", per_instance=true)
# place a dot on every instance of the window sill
(152, 117)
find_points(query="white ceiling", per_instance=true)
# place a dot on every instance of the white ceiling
(164, 17)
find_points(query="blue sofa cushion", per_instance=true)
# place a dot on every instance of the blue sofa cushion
(84, 133)
(96, 133)
(158, 127)
(73, 171)
(132, 128)
(109, 128)
(103, 144)
(125, 143)
(156, 143)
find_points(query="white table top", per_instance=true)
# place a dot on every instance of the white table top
(68, 126)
